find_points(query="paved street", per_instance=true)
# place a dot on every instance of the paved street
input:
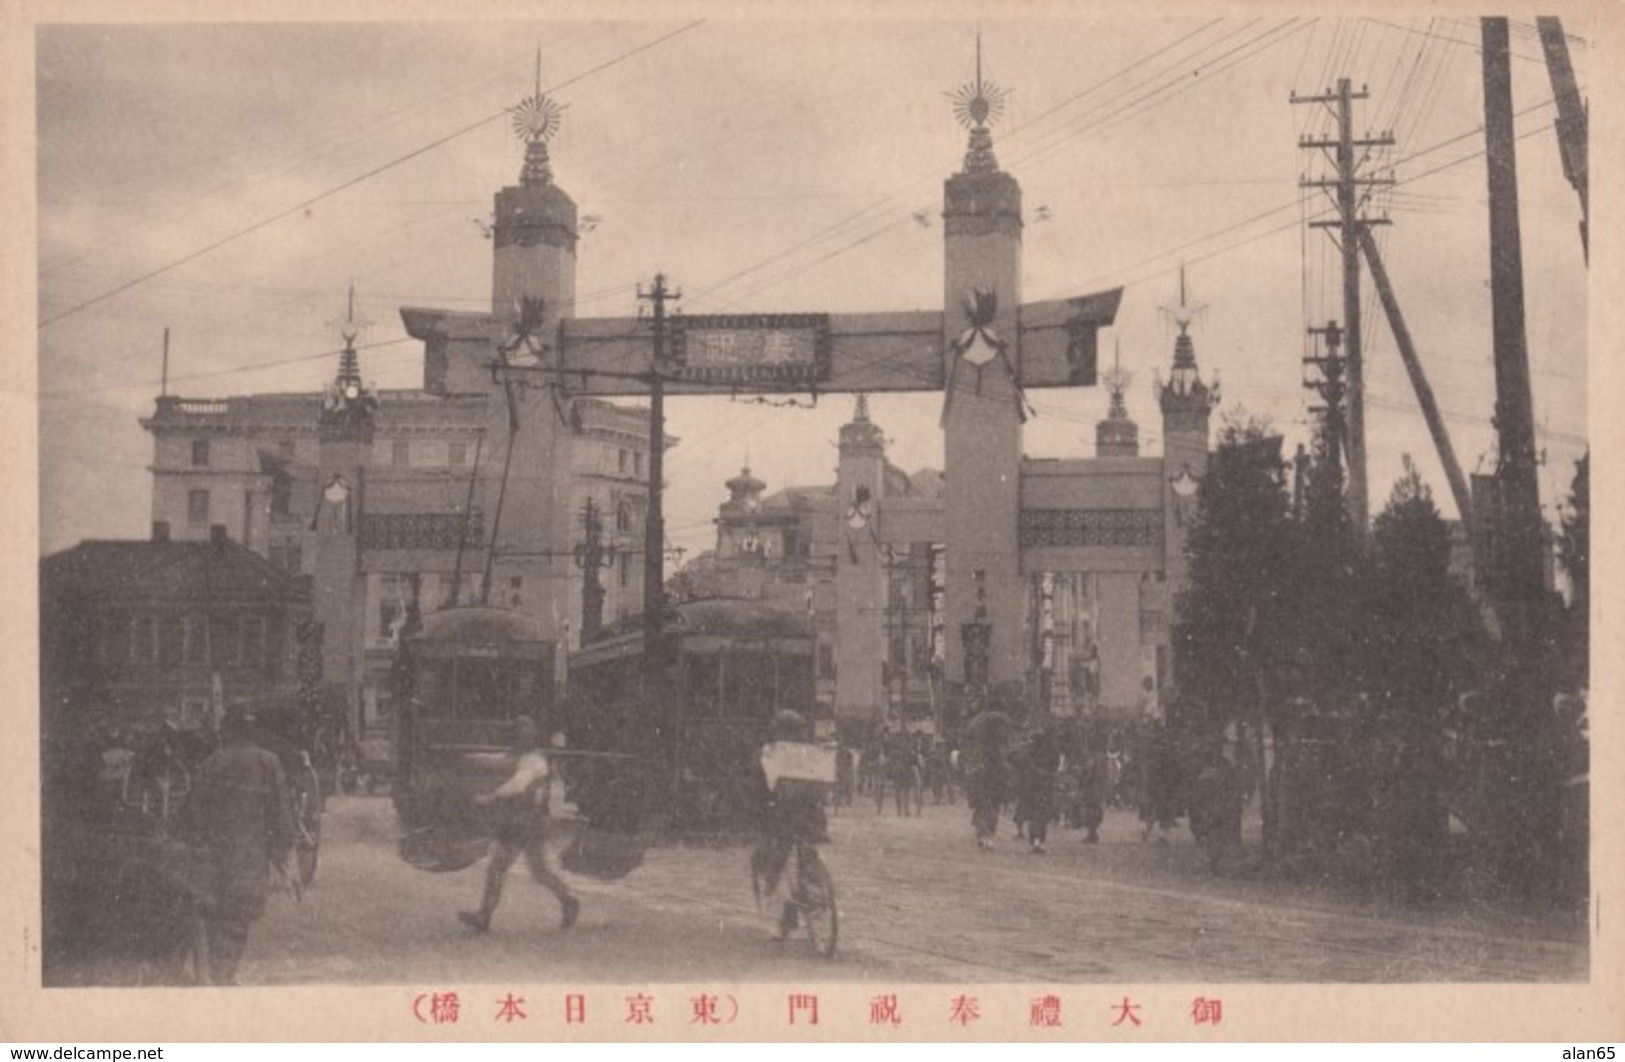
(918, 902)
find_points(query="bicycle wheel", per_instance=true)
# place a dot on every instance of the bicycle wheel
(307, 852)
(307, 835)
(815, 896)
(758, 878)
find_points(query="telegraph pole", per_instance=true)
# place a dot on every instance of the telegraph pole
(1518, 566)
(591, 557)
(1332, 389)
(1573, 135)
(1521, 564)
(654, 531)
(1349, 224)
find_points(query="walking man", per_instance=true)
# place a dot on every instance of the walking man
(239, 811)
(1040, 763)
(521, 826)
(985, 789)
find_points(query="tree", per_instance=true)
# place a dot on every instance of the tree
(1574, 552)
(1330, 633)
(1425, 624)
(1231, 618)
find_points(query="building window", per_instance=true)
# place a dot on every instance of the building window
(281, 494)
(516, 584)
(197, 507)
(200, 453)
(171, 635)
(195, 640)
(637, 464)
(456, 454)
(251, 643)
(400, 452)
(623, 517)
(626, 571)
(394, 595)
(194, 711)
(143, 639)
(115, 641)
(624, 459)
(429, 453)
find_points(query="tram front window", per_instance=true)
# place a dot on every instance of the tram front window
(485, 689)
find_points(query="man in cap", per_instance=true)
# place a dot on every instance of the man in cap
(240, 813)
(521, 826)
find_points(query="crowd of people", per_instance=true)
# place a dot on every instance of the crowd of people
(198, 824)
(1057, 771)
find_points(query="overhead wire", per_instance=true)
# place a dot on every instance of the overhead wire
(349, 183)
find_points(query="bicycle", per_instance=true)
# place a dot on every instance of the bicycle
(811, 902)
(304, 796)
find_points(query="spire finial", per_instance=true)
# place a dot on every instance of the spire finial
(1184, 313)
(1117, 382)
(349, 328)
(977, 105)
(860, 415)
(535, 121)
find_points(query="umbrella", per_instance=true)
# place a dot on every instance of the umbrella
(989, 725)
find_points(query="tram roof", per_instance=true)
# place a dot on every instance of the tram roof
(480, 625)
(729, 618)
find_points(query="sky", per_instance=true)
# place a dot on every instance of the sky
(229, 182)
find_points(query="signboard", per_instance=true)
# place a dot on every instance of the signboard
(750, 349)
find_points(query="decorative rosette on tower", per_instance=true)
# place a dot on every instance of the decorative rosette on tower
(535, 121)
(977, 105)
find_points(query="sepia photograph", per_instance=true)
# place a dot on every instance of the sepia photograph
(897, 504)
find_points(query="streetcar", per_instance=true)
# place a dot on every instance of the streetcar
(462, 682)
(698, 718)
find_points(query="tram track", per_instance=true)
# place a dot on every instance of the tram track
(1137, 933)
(1169, 925)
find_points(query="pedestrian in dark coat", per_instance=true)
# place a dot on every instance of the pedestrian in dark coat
(239, 811)
(1040, 764)
(1158, 800)
(1092, 772)
(985, 783)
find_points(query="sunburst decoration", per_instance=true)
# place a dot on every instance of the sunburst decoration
(978, 104)
(536, 118)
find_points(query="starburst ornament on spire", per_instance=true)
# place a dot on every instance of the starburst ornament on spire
(977, 105)
(536, 118)
(535, 121)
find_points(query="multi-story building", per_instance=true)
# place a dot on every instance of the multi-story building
(131, 631)
(397, 502)
(1102, 541)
